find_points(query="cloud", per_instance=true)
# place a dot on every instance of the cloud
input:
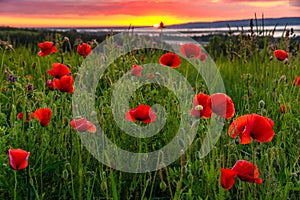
(92, 7)
(295, 3)
(252, 1)
(184, 9)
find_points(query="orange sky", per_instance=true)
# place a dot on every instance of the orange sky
(83, 13)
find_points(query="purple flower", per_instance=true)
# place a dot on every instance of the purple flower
(12, 78)
(29, 87)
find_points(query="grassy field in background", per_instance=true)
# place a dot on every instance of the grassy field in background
(61, 168)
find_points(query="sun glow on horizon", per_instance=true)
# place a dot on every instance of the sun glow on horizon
(116, 20)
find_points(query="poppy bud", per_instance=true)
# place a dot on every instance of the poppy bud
(271, 58)
(103, 185)
(65, 174)
(50, 85)
(282, 79)
(150, 76)
(9, 47)
(163, 186)
(261, 104)
(283, 108)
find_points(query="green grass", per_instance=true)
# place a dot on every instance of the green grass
(61, 168)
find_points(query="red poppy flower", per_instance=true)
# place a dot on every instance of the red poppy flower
(136, 70)
(50, 85)
(59, 70)
(84, 49)
(43, 115)
(190, 50)
(281, 54)
(141, 113)
(30, 116)
(222, 105)
(245, 170)
(46, 48)
(83, 125)
(202, 106)
(170, 59)
(296, 81)
(203, 57)
(30, 77)
(151, 76)
(18, 158)
(64, 84)
(250, 127)
(227, 178)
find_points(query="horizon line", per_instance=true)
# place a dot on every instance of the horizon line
(144, 26)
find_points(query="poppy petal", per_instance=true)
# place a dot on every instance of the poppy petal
(170, 59)
(83, 125)
(64, 84)
(227, 178)
(136, 70)
(46, 48)
(280, 54)
(247, 132)
(141, 113)
(92, 128)
(43, 115)
(59, 70)
(222, 105)
(237, 126)
(205, 110)
(129, 117)
(190, 50)
(263, 130)
(84, 49)
(251, 127)
(296, 81)
(247, 171)
(18, 158)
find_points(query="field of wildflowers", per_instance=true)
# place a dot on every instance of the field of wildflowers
(256, 157)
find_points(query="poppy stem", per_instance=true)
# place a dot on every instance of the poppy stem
(2, 65)
(253, 169)
(16, 183)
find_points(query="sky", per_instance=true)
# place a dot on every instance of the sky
(89, 13)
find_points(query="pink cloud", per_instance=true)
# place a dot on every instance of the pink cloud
(182, 9)
(295, 3)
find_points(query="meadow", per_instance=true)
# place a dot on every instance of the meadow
(60, 166)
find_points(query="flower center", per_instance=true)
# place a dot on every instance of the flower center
(199, 107)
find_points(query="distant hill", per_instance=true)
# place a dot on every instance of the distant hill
(240, 23)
